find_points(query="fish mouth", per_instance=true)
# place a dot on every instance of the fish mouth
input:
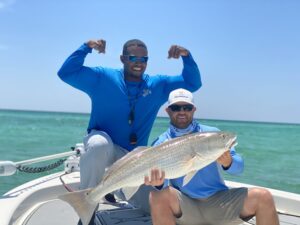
(232, 142)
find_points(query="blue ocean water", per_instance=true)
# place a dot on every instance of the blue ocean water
(271, 151)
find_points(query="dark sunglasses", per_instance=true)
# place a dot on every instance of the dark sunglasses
(133, 58)
(177, 108)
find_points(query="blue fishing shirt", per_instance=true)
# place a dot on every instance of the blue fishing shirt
(208, 180)
(111, 95)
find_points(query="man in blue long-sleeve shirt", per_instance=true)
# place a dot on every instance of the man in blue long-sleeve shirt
(205, 200)
(124, 101)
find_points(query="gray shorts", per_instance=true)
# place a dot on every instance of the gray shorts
(223, 208)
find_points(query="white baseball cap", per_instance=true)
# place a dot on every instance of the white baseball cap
(180, 95)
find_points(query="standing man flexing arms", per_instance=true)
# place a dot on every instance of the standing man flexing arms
(125, 102)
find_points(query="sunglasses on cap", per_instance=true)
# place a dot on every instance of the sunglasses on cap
(178, 108)
(133, 58)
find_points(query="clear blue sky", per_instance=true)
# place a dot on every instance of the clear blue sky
(248, 52)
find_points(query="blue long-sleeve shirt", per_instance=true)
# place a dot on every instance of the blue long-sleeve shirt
(111, 96)
(208, 180)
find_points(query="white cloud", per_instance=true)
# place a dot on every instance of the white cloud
(6, 3)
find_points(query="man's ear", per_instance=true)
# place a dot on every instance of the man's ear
(122, 59)
(168, 111)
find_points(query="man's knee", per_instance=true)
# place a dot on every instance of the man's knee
(263, 196)
(98, 140)
(165, 202)
(98, 145)
(160, 197)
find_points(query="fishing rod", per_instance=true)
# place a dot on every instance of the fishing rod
(8, 168)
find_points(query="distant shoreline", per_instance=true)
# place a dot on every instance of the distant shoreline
(87, 114)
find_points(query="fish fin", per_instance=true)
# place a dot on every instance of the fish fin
(129, 191)
(193, 170)
(80, 204)
(188, 177)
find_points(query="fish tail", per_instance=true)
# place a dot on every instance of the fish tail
(78, 200)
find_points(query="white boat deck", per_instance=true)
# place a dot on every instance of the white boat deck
(35, 203)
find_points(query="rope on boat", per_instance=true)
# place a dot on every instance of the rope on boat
(28, 169)
(69, 189)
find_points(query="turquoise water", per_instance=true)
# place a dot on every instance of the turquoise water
(271, 151)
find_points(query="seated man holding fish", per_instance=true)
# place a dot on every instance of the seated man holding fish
(203, 197)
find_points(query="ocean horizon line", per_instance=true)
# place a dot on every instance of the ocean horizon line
(166, 117)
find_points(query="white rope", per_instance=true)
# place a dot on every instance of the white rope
(45, 158)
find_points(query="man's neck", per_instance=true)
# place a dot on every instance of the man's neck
(175, 131)
(132, 78)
